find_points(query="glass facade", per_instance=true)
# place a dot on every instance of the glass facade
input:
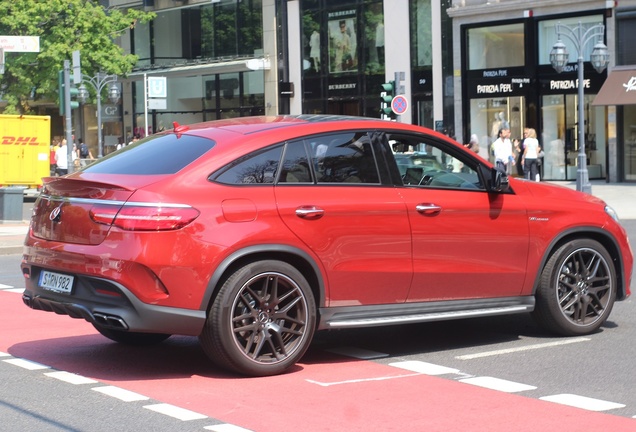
(190, 36)
(501, 89)
(626, 114)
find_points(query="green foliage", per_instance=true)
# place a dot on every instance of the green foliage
(63, 27)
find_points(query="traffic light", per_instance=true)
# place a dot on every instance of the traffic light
(387, 95)
(73, 91)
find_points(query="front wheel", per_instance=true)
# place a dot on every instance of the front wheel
(577, 289)
(261, 321)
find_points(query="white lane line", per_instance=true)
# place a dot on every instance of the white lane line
(3, 354)
(70, 378)
(582, 402)
(176, 412)
(358, 353)
(26, 364)
(498, 384)
(355, 381)
(3, 286)
(120, 393)
(523, 348)
(424, 368)
(226, 428)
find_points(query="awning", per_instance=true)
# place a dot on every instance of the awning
(619, 88)
(244, 65)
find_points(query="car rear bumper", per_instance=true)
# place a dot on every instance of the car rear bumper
(110, 305)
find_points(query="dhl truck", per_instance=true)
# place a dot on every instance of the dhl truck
(24, 150)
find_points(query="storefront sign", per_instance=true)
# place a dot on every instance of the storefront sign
(506, 87)
(568, 84)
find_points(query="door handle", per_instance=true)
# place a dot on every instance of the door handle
(428, 209)
(309, 212)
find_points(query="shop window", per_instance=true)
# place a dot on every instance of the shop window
(548, 37)
(496, 46)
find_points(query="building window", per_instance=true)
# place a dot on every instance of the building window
(548, 37)
(496, 46)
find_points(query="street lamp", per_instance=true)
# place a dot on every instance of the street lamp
(599, 58)
(98, 82)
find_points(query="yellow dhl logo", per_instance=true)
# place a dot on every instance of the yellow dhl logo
(12, 140)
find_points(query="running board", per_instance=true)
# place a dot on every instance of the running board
(381, 315)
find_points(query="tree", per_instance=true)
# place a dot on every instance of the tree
(63, 27)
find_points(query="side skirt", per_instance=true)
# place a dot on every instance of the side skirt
(403, 313)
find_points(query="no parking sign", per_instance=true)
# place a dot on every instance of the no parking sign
(399, 104)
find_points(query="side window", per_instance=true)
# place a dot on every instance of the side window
(344, 158)
(295, 167)
(428, 164)
(259, 168)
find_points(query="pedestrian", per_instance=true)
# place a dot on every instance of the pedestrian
(473, 144)
(502, 149)
(84, 153)
(531, 155)
(61, 159)
(519, 147)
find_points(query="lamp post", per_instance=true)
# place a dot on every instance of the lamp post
(98, 82)
(599, 58)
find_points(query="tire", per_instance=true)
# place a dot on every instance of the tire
(577, 289)
(262, 320)
(132, 338)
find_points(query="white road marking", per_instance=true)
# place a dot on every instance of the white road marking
(355, 381)
(226, 428)
(358, 353)
(70, 378)
(26, 364)
(582, 402)
(3, 286)
(3, 354)
(120, 393)
(14, 290)
(424, 368)
(523, 348)
(176, 412)
(498, 384)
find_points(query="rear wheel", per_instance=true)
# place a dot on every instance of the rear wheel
(577, 289)
(132, 338)
(262, 320)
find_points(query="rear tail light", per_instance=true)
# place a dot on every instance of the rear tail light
(144, 218)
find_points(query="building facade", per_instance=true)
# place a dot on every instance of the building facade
(467, 66)
(503, 73)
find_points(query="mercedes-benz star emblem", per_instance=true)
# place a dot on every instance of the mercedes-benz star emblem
(56, 213)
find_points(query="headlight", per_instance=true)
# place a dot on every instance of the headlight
(610, 211)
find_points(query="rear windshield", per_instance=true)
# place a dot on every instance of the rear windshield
(156, 154)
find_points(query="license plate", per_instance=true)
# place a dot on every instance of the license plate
(57, 282)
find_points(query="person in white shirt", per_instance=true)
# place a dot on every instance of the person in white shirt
(61, 159)
(502, 149)
(531, 155)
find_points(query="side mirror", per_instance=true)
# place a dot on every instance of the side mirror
(499, 181)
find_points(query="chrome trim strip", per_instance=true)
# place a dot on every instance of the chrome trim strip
(114, 203)
(439, 316)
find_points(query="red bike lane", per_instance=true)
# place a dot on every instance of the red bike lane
(325, 392)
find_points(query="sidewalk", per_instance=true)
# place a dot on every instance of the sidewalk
(620, 196)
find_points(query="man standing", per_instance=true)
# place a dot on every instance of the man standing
(61, 159)
(502, 149)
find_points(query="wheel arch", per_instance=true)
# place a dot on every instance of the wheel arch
(604, 238)
(289, 254)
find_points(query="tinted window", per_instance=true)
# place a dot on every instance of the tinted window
(295, 167)
(256, 168)
(344, 158)
(163, 154)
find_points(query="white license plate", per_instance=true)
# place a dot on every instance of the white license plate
(56, 282)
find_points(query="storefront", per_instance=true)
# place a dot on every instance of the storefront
(619, 90)
(502, 85)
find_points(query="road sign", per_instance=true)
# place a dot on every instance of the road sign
(20, 43)
(157, 87)
(399, 104)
